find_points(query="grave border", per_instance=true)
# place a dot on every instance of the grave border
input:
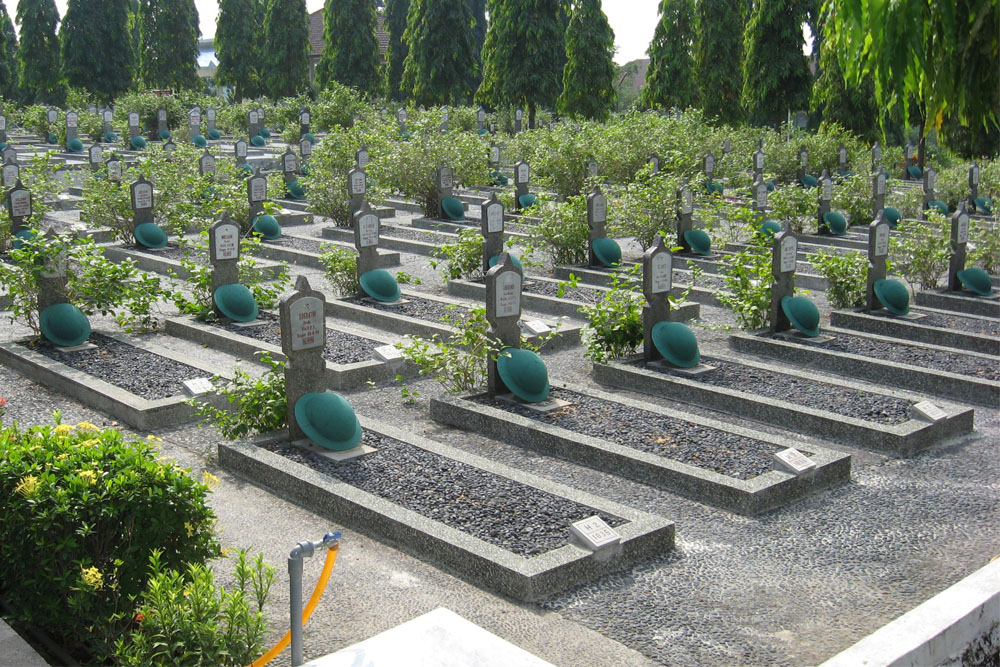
(912, 330)
(965, 304)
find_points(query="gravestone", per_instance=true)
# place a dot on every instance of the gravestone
(8, 154)
(224, 254)
(361, 157)
(758, 163)
(92, 109)
(303, 340)
(114, 167)
(240, 151)
(367, 227)
(800, 120)
(959, 241)
(305, 150)
(518, 119)
(973, 185)
(597, 219)
(653, 160)
(210, 119)
(803, 162)
(444, 119)
(480, 120)
(878, 192)
(256, 193)
(878, 251)
(107, 116)
(253, 123)
(685, 212)
(194, 123)
(708, 163)
(825, 198)
(52, 278)
(784, 254)
(493, 127)
(930, 182)
(289, 165)
(522, 178)
(494, 157)
(759, 190)
(593, 169)
(444, 181)
(401, 119)
(51, 116)
(142, 202)
(134, 128)
(72, 126)
(206, 164)
(909, 161)
(357, 188)
(876, 157)
(3, 128)
(19, 207)
(727, 146)
(95, 156)
(657, 280)
(305, 120)
(11, 175)
(161, 123)
(503, 311)
(491, 223)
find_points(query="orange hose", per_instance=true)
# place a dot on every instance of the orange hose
(331, 558)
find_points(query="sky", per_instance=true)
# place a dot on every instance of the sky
(632, 20)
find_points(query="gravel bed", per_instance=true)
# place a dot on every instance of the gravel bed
(296, 243)
(498, 510)
(976, 325)
(809, 393)
(414, 234)
(422, 309)
(341, 347)
(171, 251)
(579, 293)
(912, 355)
(725, 453)
(127, 367)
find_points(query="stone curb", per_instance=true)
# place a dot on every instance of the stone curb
(913, 330)
(387, 241)
(296, 257)
(701, 295)
(959, 302)
(161, 265)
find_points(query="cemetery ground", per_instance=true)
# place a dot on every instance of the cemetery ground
(793, 585)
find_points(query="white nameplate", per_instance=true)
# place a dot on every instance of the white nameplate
(661, 269)
(388, 353)
(143, 194)
(537, 327)
(133, 120)
(687, 205)
(709, 164)
(595, 533)
(789, 254)
(362, 159)
(11, 173)
(241, 149)
(108, 116)
(194, 119)
(253, 117)
(258, 189)
(927, 411)
(793, 461)
(762, 196)
(880, 184)
(508, 294)
(307, 323)
(208, 164)
(522, 173)
(357, 183)
(198, 386)
(759, 158)
(494, 218)
(827, 189)
(963, 228)
(495, 155)
(227, 242)
(72, 120)
(882, 240)
(368, 230)
(304, 118)
(600, 207)
(115, 170)
(447, 178)
(20, 204)
(162, 115)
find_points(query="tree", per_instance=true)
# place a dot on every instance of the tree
(39, 65)
(236, 32)
(440, 58)
(168, 44)
(670, 77)
(928, 59)
(350, 52)
(395, 54)
(285, 55)
(524, 54)
(589, 74)
(478, 10)
(852, 108)
(717, 65)
(97, 48)
(8, 56)
(776, 76)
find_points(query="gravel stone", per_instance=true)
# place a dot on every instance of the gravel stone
(341, 347)
(296, 243)
(422, 309)
(976, 325)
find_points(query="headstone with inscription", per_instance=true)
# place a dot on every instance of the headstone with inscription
(758, 163)
(491, 221)
(210, 121)
(357, 188)
(803, 162)
(708, 164)
(759, 193)
(206, 164)
(72, 126)
(518, 119)
(361, 157)
(253, 123)
(19, 207)
(305, 121)
(522, 179)
(162, 131)
(685, 214)
(481, 120)
(597, 220)
(503, 311)
(134, 126)
(876, 157)
(878, 192)
(784, 255)
(930, 183)
(289, 165)
(305, 152)
(194, 125)
(593, 169)
(444, 181)
(114, 166)
(878, 252)
(51, 117)
(367, 228)
(973, 185)
(95, 157)
(445, 115)
(842, 159)
(256, 193)
(142, 212)
(108, 131)
(240, 151)
(825, 198)
(401, 118)
(11, 174)
(303, 340)
(909, 161)
(653, 160)
(959, 241)
(3, 128)
(657, 281)
(224, 252)
(8, 154)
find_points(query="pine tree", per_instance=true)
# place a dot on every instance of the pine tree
(168, 44)
(236, 32)
(441, 59)
(478, 10)
(718, 70)
(588, 77)
(96, 47)
(39, 65)
(350, 52)
(670, 77)
(776, 77)
(395, 55)
(8, 56)
(285, 54)
(524, 54)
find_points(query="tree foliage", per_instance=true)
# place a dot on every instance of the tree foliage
(478, 10)
(670, 77)
(168, 44)
(285, 55)
(350, 51)
(717, 63)
(395, 55)
(39, 64)
(8, 55)
(776, 76)
(97, 47)
(523, 54)
(236, 31)
(852, 108)
(588, 77)
(440, 58)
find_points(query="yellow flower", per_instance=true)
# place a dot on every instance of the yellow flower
(62, 457)
(189, 528)
(90, 443)
(87, 426)
(28, 486)
(153, 438)
(209, 480)
(62, 429)
(92, 578)
(88, 476)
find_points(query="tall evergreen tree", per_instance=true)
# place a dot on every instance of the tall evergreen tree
(670, 77)
(441, 59)
(717, 58)
(168, 44)
(588, 77)
(8, 56)
(395, 55)
(285, 54)
(524, 54)
(350, 51)
(39, 64)
(478, 10)
(853, 108)
(236, 32)
(776, 76)
(97, 48)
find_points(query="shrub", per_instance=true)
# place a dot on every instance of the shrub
(254, 404)
(747, 278)
(463, 259)
(561, 232)
(341, 266)
(920, 253)
(846, 276)
(794, 205)
(83, 509)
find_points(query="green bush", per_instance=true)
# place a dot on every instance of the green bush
(846, 276)
(341, 266)
(921, 251)
(614, 328)
(253, 404)
(795, 205)
(560, 235)
(83, 509)
(747, 279)
(462, 259)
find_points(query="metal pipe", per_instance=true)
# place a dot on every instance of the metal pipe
(303, 550)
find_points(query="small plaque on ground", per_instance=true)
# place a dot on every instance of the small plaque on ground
(388, 353)
(537, 327)
(927, 411)
(595, 533)
(694, 371)
(793, 461)
(334, 455)
(198, 386)
(77, 348)
(548, 405)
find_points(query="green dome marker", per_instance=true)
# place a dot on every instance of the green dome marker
(257, 141)
(380, 285)
(53, 139)
(513, 260)
(150, 235)
(74, 146)
(892, 216)
(769, 228)
(607, 251)
(110, 137)
(295, 190)
(808, 181)
(137, 142)
(976, 280)
(328, 420)
(676, 343)
(22, 236)
(199, 141)
(236, 302)
(165, 135)
(64, 324)
(527, 200)
(309, 136)
(802, 313)
(267, 226)
(835, 222)
(699, 241)
(983, 205)
(893, 295)
(264, 132)
(914, 172)
(452, 208)
(524, 373)
(938, 206)
(214, 134)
